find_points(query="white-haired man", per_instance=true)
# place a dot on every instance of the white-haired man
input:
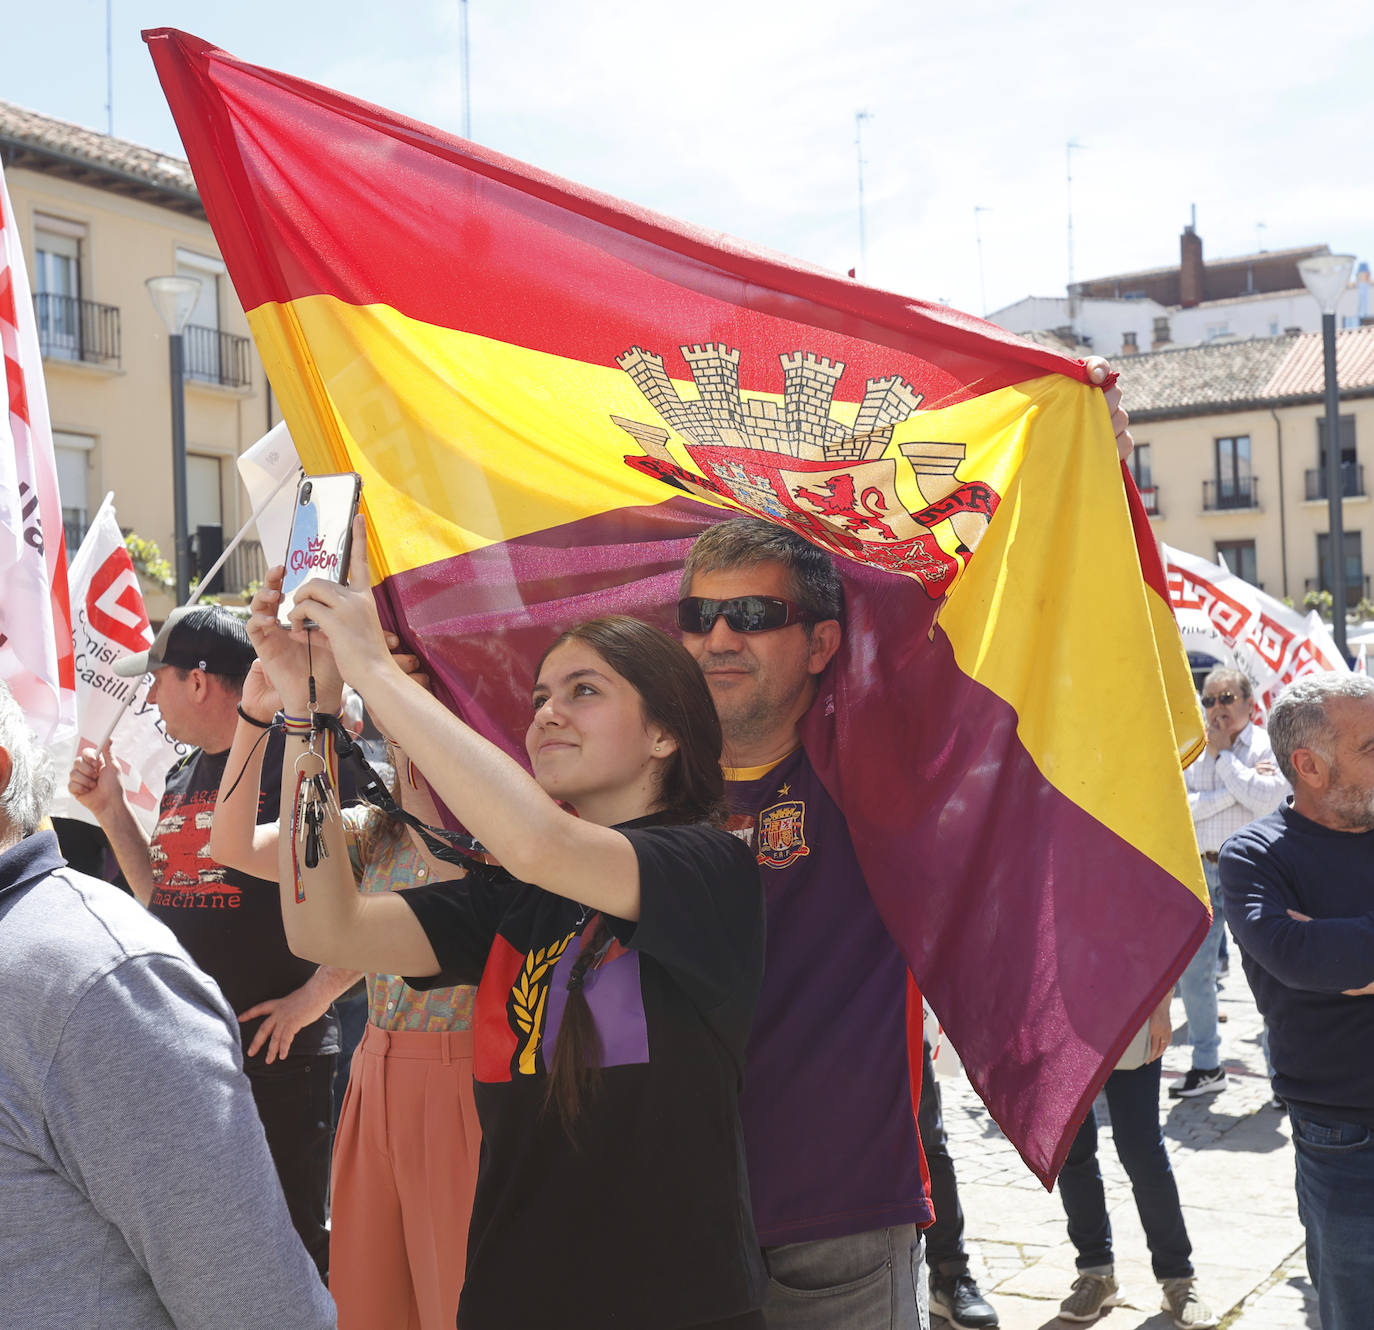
(138, 1188)
(1299, 895)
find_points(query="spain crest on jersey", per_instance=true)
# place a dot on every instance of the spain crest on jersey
(782, 834)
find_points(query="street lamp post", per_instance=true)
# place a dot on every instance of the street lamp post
(175, 298)
(1326, 277)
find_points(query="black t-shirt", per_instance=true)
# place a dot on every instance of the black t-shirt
(645, 1220)
(229, 922)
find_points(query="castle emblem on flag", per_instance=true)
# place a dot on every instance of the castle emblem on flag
(795, 463)
(782, 834)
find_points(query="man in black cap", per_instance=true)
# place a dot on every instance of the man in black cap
(229, 922)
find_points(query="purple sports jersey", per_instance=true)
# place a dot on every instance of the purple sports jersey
(828, 1123)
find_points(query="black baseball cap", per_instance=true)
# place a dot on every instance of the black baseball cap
(195, 637)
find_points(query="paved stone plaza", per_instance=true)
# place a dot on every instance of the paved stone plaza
(1233, 1160)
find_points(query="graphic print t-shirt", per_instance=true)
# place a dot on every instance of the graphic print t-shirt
(828, 1123)
(228, 921)
(644, 1218)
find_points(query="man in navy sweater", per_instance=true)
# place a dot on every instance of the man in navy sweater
(1299, 895)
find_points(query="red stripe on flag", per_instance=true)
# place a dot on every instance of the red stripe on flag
(314, 193)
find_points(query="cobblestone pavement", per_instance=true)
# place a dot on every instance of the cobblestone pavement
(1232, 1156)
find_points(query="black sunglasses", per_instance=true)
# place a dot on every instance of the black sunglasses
(745, 614)
(1225, 699)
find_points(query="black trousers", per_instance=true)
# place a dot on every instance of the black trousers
(295, 1102)
(945, 1237)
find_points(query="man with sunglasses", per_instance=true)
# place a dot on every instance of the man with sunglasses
(1235, 781)
(834, 1159)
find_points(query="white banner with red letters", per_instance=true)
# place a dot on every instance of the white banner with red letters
(1224, 617)
(110, 622)
(35, 618)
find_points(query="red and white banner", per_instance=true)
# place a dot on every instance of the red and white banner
(1224, 617)
(35, 617)
(111, 623)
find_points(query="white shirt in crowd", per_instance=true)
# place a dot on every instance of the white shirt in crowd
(1226, 793)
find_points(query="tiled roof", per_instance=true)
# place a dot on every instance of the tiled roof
(1195, 380)
(1303, 371)
(44, 142)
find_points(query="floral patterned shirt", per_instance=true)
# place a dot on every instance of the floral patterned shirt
(391, 1003)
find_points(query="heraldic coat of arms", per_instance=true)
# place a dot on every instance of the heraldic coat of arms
(795, 463)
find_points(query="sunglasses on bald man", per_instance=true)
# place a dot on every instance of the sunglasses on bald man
(745, 614)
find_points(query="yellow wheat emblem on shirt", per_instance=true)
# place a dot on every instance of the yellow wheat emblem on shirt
(529, 996)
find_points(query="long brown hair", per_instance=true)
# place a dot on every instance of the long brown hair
(674, 695)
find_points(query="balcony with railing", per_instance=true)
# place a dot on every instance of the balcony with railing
(1149, 496)
(1230, 492)
(244, 566)
(1352, 481)
(80, 330)
(218, 357)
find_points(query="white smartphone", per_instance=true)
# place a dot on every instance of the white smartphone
(321, 533)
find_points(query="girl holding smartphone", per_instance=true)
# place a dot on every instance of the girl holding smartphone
(619, 950)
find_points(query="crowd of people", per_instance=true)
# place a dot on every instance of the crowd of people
(626, 1061)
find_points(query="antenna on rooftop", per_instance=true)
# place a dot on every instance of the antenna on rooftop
(109, 69)
(467, 73)
(1068, 182)
(978, 239)
(859, 118)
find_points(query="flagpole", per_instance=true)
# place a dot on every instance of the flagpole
(204, 582)
(237, 540)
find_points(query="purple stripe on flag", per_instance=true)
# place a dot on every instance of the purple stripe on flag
(1042, 939)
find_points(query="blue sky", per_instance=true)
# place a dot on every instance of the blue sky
(740, 115)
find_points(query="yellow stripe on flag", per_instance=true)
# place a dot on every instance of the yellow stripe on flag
(1061, 649)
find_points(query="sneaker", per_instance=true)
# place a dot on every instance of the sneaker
(1199, 1081)
(1188, 1310)
(958, 1300)
(1091, 1295)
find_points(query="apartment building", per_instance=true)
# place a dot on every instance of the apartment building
(97, 217)
(1230, 455)
(1184, 304)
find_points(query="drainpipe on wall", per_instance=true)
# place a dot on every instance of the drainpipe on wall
(1283, 521)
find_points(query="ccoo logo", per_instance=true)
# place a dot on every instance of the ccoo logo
(114, 603)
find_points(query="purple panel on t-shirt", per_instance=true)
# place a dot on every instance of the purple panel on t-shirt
(617, 1004)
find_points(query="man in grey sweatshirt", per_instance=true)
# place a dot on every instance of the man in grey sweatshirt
(138, 1189)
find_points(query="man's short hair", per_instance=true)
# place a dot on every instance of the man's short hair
(743, 542)
(1298, 718)
(28, 796)
(1227, 674)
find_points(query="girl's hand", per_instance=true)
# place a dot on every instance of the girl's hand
(347, 617)
(260, 700)
(287, 658)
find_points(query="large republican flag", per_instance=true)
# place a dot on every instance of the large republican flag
(36, 658)
(549, 393)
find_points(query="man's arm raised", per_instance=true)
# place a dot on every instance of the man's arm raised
(94, 784)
